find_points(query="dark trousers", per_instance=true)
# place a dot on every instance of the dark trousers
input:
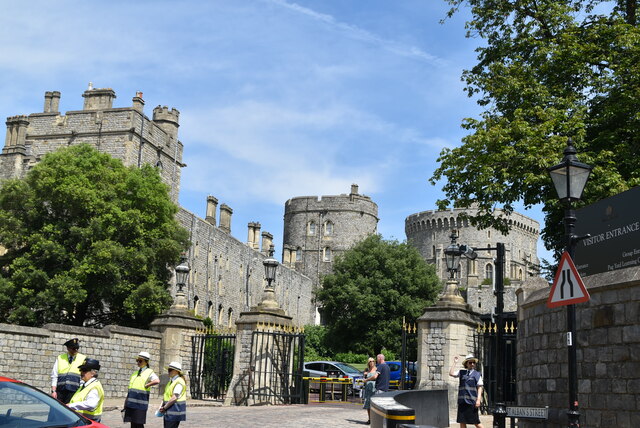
(65, 396)
(171, 424)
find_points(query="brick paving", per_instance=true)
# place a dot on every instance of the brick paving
(206, 414)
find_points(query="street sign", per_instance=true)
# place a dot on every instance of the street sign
(568, 287)
(528, 412)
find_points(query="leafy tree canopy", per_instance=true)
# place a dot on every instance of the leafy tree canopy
(549, 70)
(88, 242)
(374, 285)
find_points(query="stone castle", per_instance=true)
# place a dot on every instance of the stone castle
(227, 275)
(430, 231)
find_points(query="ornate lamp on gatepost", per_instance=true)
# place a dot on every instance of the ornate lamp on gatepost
(452, 255)
(569, 178)
(182, 274)
(269, 302)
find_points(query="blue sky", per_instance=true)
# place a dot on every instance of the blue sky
(277, 98)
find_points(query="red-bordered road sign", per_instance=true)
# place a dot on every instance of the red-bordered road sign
(568, 287)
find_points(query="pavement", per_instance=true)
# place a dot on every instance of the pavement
(211, 414)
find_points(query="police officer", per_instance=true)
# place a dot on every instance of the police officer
(65, 376)
(89, 398)
(140, 383)
(174, 402)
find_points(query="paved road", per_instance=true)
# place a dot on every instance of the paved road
(202, 414)
(312, 415)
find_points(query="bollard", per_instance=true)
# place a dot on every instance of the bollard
(305, 388)
(345, 388)
(323, 389)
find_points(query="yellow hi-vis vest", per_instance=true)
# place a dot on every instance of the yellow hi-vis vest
(81, 395)
(69, 374)
(138, 395)
(178, 411)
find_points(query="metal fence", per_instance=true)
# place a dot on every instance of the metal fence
(211, 364)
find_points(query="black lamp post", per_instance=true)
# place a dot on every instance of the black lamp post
(569, 178)
(182, 273)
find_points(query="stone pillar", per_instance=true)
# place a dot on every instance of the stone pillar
(212, 206)
(444, 331)
(225, 218)
(177, 327)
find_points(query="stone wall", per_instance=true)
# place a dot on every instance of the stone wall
(608, 352)
(28, 353)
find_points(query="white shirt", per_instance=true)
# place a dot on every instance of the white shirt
(54, 372)
(91, 400)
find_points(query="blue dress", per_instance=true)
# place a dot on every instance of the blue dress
(369, 391)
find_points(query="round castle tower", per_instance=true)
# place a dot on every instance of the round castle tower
(430, 233)
(316, 230)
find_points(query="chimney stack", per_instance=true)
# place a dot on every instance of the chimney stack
(267, 242)
(354, 189)
(51, 101)
(225, 218)
(212, 206)
(138, 102)
(253, 234)
(98, 98)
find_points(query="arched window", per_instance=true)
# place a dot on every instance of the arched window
(488, 271)
(298, 254)
(326, 254)
(196, 304)
(210, 313)
(219, 315)
(520, 274)
(311, 228)
(328, 228)
(230, 318)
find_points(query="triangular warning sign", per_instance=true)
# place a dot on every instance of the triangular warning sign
(568, 287)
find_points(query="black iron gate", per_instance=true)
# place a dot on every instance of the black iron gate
(486, 340)
(277, 362)
(211, 364)
(409, 355)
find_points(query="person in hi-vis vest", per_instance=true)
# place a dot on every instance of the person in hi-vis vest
(65, 376)
(140, 383)
(88, 399)
(174, 402)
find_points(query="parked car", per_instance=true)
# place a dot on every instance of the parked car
(22, 405)
(394, 373)
(334, 369)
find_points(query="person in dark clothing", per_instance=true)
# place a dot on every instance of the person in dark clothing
(469, 391)
(383, 375)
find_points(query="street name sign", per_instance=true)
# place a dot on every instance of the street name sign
(568, 287)
(528, 412)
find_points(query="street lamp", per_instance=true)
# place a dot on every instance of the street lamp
(182, 273)
(269, 302)
(569, 178)
(452, 254)
(270, 268)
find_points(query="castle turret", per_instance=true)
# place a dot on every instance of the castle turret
(167, 120)
(98, 98)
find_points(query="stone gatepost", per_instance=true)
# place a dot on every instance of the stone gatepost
(266, 313)
(444, 331)
(177, 327)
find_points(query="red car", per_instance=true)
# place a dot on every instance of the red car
(23, 406)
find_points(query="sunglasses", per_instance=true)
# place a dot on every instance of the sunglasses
(139, 361)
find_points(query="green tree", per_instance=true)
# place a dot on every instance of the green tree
(88, 241)
(549, 70)
(374, 285)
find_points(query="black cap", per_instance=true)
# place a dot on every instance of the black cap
(90, 364)
(72, 343)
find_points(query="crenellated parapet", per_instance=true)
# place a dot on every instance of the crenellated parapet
(168, 120)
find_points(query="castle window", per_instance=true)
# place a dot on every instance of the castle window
(311, 228)
(159, 165)
(326, 254)
(219, 315)
(230, 318)
(196, 304)
(210, 310)
(488, 271)
(298, 254)
(489, 234)
(520, 274)
(328, 228)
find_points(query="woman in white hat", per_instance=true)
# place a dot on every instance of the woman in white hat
(469, 391)
(140, 383)
(174, 401)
